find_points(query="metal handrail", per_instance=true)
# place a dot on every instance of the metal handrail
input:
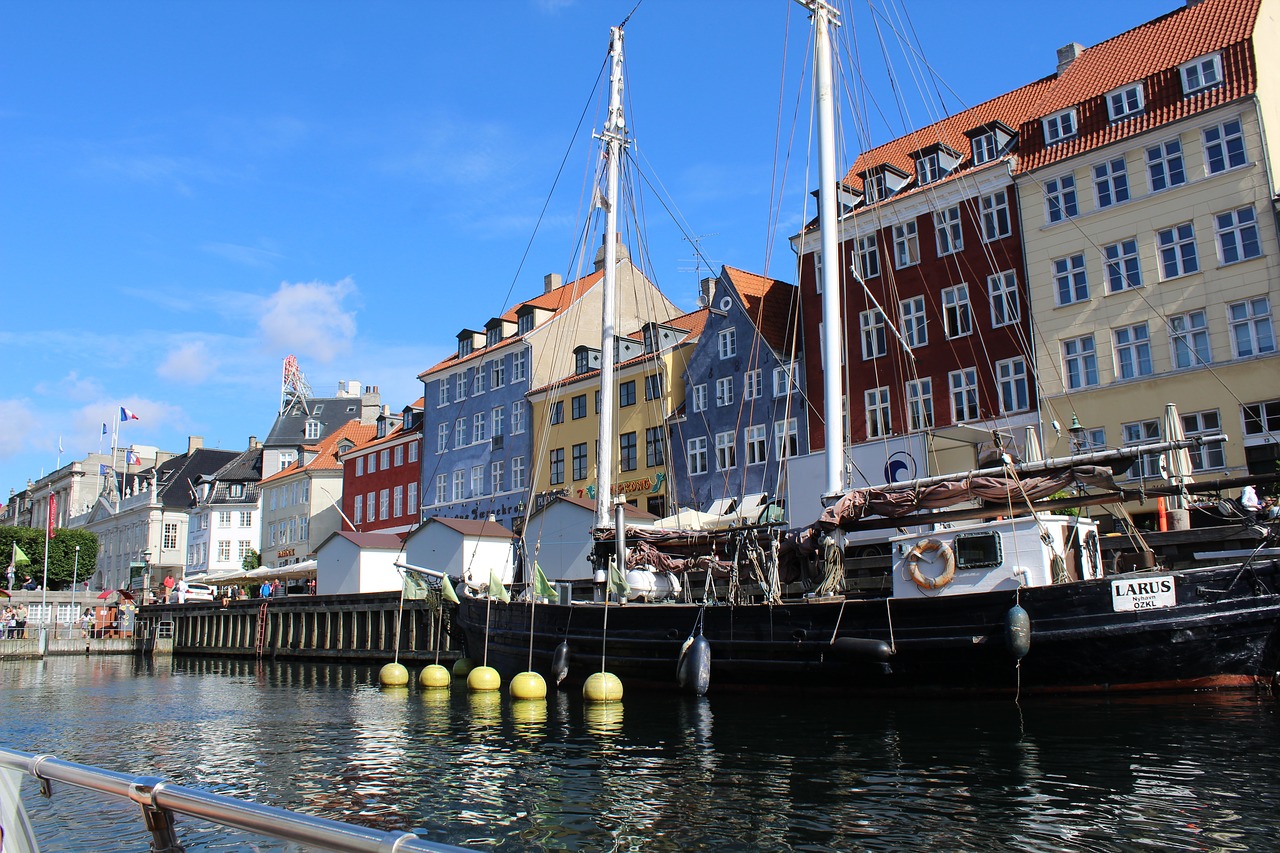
(160, 800)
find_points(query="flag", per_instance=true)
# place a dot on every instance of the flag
(19, 558)
(60, 450)
(496, 589)
(446, 589)
(415, 585)
(618, 581)
(53, 512)
(126, 415)
(542, 586)
(104, 429)
(132, 458)
(103, 470)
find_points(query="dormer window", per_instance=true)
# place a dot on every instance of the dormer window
(525, 323)
(990, 141)
(1125, 102)
(464, 347)
(934, 162)
(235, 490)
(313, 430)
(984, 148)
(585, 359)
(494, 336)
(1201, 73)
(875, 187)
(650, 337)
(1059, 126)
(928, 169)
(883, 181)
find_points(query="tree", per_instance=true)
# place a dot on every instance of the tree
(62, 554)
(252, 560)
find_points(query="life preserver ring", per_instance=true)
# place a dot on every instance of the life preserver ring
(925, 546)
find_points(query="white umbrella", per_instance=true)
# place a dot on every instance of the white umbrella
(1179, 461)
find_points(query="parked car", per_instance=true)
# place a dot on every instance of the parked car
(199, 592)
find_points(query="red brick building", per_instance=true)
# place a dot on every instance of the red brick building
(380, 477)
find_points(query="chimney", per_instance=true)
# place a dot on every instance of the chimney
(253, 442)
(551, 281)
(622, 254)
(706, 287)
(1067, 54)
(194, 443)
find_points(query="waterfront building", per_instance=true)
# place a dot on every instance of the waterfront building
(304, 420)
(226, 520)
(560, 532)
(478, 451)
(471, 550)
(1147, 186)
(77, 485)
(351, 563)
(744, 408)
(648, 375)
(300, 505)
(380, 477)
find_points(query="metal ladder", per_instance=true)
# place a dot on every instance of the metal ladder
(260, 641)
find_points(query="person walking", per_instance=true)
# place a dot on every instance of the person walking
(265, 590)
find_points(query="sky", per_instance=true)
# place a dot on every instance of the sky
(190, 192)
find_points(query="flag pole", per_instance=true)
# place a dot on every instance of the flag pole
(44, 586)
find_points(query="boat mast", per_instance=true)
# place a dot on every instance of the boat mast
(614, 141)
(824, 18)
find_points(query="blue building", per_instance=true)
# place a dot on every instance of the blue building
(744, 411)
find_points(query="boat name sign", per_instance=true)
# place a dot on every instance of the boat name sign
(1145, 594)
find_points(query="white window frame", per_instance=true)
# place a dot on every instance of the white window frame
(786, 438)
(782, 380)
(996, 222)
(1224, 147)
(696, 454)
(1165, 167)
(1147, 466)
(1006, 302)
(756, 439)
(1121, 265)
(1080, 362)
(875, 341)
(1189, 343)
(1205, 457)
(727, 343)
(1070, 280)
(867, 257)
(929, 169)
(1111, 182)
(518, 474)
(459, 433)
(752, 384)
(1132, 346)
(875, 403)
(724, 391)
(1059, 126)
(963, 384)
(920, 404)
(915, 328)
(1194, 77)
(1060, 201)
(984, 148)
(442, 488)
(700, 397)
(1011, 377)
(949, 234)
(1177, 249)
(906, 245)
(726, 451)
(495, 477)
(957, 314)
(1127, 101)
(1237, 235)
(1252, 331)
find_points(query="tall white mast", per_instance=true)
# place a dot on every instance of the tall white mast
(614, 139)
(824, 17)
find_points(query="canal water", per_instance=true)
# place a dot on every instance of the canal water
(655, 773)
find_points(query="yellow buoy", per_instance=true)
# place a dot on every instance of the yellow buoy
(602, 687)
(528, 685)
(435, 676)
(484, 678)
(393, 675)
(462, 667)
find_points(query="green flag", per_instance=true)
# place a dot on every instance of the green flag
(496, 589)
(19, 558)
(415, 585)
(542, 586)
(618, 581)
(446, 589)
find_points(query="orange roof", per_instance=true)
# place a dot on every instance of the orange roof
(326, 458)
(771, 304)
(1151, 53)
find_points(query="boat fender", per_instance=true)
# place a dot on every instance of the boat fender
(861, 648)
(693, 672)
(1017, 631)
(560, 662)
(926, 546)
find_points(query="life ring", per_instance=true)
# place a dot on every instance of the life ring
(925, 546)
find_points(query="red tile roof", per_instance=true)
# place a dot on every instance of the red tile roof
(473, 527)
(326, 458)
(771, 304)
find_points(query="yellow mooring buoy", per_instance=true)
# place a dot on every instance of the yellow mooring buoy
(483, 679)
(528, 685)
(462, 667)
(393, 675)
(602, 687)
(435, 676)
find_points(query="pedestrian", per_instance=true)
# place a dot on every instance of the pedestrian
(11, 575)
(30, 585)
(182, 590)
(168, 587)
(275, 587)
(8, 622)
(265, 590)
(20, 623)
(1249, 500)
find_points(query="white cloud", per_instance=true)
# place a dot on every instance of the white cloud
(309, 320)
(190, 363)
(21, 427)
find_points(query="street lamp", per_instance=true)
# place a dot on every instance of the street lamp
(146, 575)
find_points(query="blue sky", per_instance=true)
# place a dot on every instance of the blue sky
(191, 191)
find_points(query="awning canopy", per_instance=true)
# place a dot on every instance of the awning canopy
(305, 569)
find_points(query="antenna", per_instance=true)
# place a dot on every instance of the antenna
(699, 259)
(294, 390)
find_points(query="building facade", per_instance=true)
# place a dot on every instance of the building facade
(226, 520)
(380, 477)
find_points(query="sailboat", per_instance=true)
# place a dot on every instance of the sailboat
(1006, 593)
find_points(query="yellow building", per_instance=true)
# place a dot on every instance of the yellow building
(649, 373)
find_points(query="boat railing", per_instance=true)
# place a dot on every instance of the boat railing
(161, 800)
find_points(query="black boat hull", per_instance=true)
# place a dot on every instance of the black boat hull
(1222, 632)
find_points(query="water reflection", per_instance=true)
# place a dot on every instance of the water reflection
(658, 773)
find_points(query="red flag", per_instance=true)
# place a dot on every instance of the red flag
(53, 512)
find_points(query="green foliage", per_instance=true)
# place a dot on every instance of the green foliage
(252, 560)
(62, 554)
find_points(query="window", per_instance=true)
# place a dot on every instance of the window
(817, 270)
(1133, 351)
(236, 490)
(1189, 339)
(1060, 198)
(1201, 73)
(875, 342)
(517, 417)
(867, 262)
(1011, 375)
(1224, 146)
(995, 216)
(696, 454)
(495, 477)
(399, 455)
(465, 345)
(384, 504)
(372, 463)
(1059, 126)
(480, 427)
(653, 386)
(914, 330)
(497, 373)
(224, 551)
(627, 394)
(313, 430)
(655, 447)
(460, 432)
(497, 417)
(556, 412)
(1206, 456)
(950, 237)
(443, 392)
(384, 459)
(786, 438)
(1120, 261)
(1080, 362)
(557, 466)
(876, 405)
(459, 484)
(1002, 289)
(578, 407)
(477, 380)
(920, 404)
(1261, 419)
(357, 510)
(442, 485)
(1237, 235)
(580, 461)
(411, 499)
(1112, 182)
(726, 451)
(460, 385)
(477, 481)
(370, 506)
(413, 451)
(1177, 247)
(1070, 282)
(246, 519)
(224, 519)
(700, 397)
(756, 438)
(170, 536)
(964, 395)
(724, 391)
(728, 343)
(782, 384)
(493, 337)
(984, 148)
(524, 323)
(906, 248)
(1251, 332)
(1146, 466)
(627, 451)
(752, 385)
(359, 466)
(442, 438)
(1125, 101)
(875, 187)
(518, 480)
(397, 502)
(928, 169)
(1164, 165)
(957, 320)
(519, 363)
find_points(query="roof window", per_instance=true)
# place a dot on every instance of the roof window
(1059, 126)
